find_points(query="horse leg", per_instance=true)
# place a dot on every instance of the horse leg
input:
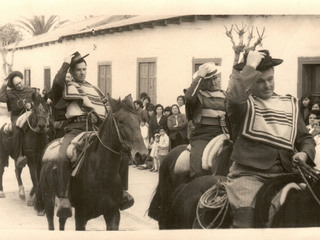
(81, 221)
(112, 219)
(1, 176)
(34, 179)
(18, 172)
(62, 223)
(49, 209)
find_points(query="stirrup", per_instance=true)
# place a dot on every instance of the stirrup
(64, 208)
(126, 202)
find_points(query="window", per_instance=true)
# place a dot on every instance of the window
(147, 77)
(104, 77)
(309, 77)
(197, 62)
(27, 77)
(47, 78)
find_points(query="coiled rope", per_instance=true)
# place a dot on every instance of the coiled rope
(214, 198)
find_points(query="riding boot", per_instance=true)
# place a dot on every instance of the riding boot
(243, 218)
(21, 160)
(64, 206)
(127, 200)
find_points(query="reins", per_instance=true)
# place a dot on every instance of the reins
(307, 171)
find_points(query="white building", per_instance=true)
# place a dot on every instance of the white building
(158, 54)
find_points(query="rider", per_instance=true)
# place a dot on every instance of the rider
(266, 128)
(205, 106)
(82, 103)
(18, 99)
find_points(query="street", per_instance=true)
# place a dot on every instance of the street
(16, 215)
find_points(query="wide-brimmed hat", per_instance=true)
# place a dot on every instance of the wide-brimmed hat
(213, 70)
(77, 58)
(266, 62)
(11, 76)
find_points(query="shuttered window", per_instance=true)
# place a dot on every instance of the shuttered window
(47, 79)
(147, 77)
(27, 77)
(105, 78)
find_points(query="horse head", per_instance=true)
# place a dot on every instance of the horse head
(128, 122)
(40, 114)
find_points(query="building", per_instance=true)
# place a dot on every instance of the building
(159, 54)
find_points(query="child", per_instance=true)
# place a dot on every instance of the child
(163, 146)
(315, 106)
(144, 132)
(154, 153)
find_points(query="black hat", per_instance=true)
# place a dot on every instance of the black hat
(11, 76)
(266, 62)
(77, 58)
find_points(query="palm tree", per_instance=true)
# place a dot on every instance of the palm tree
(38, 24)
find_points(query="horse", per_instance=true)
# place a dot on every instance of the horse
(34, 142)
(97, 188)
(179, 190)
(175, 202)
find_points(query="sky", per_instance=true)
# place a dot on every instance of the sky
(71, 9)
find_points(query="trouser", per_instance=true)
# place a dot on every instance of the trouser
(197, 147)
(179, 140)
(242, 186)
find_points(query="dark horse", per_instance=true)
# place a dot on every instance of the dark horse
(176, 196)
(97, 189)
(175, 202)
(34, 143)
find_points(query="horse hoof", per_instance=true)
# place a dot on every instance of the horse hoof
(30, 201)
(2, 194)
(22, 196)
(41, 213)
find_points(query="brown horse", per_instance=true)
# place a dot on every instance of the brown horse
(97, 189)
(34, 142)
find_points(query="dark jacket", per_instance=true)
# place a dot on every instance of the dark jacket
(253, 153)
(154, 126)
(14, 99)
(181, 128)
(55, 94)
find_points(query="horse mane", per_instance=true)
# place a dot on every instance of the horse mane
(126, 103)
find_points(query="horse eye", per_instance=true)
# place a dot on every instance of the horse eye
(121, 122)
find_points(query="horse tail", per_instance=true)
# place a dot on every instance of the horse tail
(39, 205)
(154, 208)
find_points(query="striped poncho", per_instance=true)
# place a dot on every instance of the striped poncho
(84, 97)
(272, 121)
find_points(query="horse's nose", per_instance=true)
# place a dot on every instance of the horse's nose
(41, 126)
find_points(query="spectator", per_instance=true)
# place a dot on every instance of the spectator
(313, 116)
(146, 102)
(177, 124)
(315, 106)
(163, 146)
(44, 95)
(144, 132)
(167, 111)
(143, 95)
(151, 113)
(141, 112)
(305, 107)
(155, 153)
(157, 121)
(181, 103)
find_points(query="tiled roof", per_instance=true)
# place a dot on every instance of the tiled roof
(106, 25)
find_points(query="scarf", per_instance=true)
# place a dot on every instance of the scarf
(272, 121)
(90, 97)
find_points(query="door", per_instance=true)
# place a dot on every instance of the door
(27, 77)
(47, 79)
(147, 78)
(311, 80)
(104, 78)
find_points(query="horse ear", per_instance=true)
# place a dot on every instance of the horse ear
(128, 97)
(113, 103)
(34, 97)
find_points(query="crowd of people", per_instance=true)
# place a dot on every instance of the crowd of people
(162, 129)
(310, 111)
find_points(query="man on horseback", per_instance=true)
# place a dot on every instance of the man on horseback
(266, 130)
(18, 99)
(84, 106)
(205, 106)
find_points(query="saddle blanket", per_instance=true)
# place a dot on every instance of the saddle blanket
(209, 155)
(74, 150)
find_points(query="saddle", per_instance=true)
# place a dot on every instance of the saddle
(209, 156)
(74, 151)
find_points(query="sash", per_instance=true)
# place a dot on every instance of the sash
(272, 121)
(89, 96)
